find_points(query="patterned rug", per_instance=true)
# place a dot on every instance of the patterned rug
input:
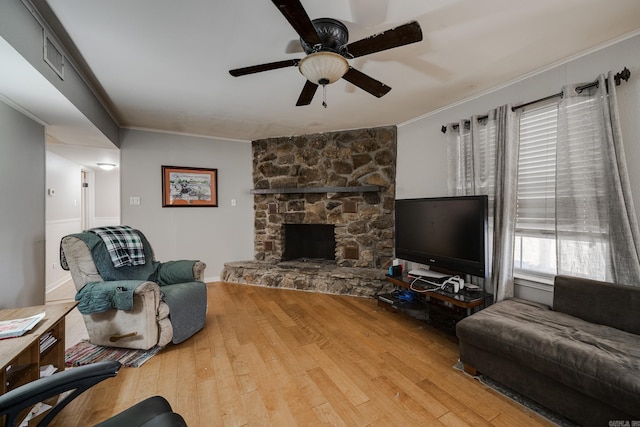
(85, 353)
(551, 416)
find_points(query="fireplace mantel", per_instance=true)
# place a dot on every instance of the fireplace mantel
(297, 190)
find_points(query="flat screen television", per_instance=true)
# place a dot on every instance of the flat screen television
(443, 232)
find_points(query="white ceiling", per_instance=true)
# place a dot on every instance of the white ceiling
(163, 64)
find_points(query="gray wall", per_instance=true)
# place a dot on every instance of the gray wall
(422, 150)
(22, 210)
(107, 197)
(213, 235)
(24, 33)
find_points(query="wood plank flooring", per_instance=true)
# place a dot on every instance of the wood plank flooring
(274, 357)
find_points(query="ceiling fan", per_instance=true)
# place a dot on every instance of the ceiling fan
(324, 40)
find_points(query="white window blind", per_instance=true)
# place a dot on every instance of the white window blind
(535, 215)
(581, 190)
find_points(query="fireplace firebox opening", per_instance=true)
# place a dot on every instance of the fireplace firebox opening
(309, 241)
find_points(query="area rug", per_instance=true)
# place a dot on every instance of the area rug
(548, 414)
(85, 353)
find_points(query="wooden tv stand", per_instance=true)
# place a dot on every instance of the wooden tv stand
(440, 303)
(21, 357)
(464, 299)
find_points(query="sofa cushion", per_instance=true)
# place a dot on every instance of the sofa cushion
(598, 302)
(597, 360)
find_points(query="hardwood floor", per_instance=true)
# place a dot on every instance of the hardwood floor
(289, 358)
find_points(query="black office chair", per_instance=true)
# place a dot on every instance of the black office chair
(152, 412)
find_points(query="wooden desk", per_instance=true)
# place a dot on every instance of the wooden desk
(20, 357)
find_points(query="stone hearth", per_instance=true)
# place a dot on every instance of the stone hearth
(309, 276)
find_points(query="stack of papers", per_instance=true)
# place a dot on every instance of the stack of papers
(46, 341)
(18, 327)
(47, 370)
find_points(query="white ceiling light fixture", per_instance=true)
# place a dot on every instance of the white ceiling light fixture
(106, 166)
(323, 68)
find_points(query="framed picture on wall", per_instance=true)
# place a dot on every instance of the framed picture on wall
(185, 187)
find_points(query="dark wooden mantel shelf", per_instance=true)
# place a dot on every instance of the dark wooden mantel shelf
(296, 190)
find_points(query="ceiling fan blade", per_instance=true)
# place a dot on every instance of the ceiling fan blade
(299, 20)
(364, 82)
(395, 37)
(307, 93)
(264, 67)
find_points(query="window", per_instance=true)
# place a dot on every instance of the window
(535, 243)
(537, 240)
(557, 171)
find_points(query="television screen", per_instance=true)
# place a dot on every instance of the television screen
(445, 232)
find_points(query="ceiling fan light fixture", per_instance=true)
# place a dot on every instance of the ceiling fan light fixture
(323, 67)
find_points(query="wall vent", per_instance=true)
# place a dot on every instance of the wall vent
(53, 56)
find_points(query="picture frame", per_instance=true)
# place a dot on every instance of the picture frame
(188, 187)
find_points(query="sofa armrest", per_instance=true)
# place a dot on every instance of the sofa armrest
(96, 297)
(172, 272)
(145, 325)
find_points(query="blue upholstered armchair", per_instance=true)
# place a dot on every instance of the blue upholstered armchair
(126, 297)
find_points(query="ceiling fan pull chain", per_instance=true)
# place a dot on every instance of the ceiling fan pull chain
(324, 96)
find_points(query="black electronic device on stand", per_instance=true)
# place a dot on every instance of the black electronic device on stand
(445, 233)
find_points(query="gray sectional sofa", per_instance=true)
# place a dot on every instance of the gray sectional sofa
(579, 358)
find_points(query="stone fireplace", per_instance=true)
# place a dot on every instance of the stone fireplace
(310, 185)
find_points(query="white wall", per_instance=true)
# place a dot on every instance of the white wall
(63, 178)
(422, 151)
(213, 235)
(63, 202)
(22, 210)
(63, 212)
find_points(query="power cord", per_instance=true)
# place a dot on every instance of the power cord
(456, 281)
(420, 279)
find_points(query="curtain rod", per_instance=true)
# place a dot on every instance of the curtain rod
(622, 75)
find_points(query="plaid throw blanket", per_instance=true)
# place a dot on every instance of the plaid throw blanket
(123, 243)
